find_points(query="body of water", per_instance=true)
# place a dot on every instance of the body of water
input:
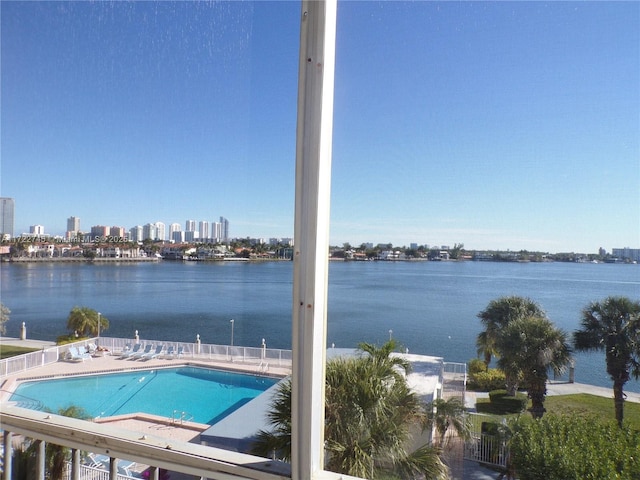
(430, 307)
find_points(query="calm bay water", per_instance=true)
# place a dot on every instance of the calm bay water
(430, 307)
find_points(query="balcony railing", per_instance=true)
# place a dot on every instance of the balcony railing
(116, 444)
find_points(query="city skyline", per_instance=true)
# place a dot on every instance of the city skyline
(493, 124)
(220, 231)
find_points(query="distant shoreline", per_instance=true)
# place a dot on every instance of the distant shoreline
(79, 260)
(208, 260)
(131, 260)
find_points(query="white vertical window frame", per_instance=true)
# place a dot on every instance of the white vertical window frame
(311, 234)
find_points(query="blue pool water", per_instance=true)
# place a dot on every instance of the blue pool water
(205, 395)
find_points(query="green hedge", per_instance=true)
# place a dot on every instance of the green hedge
(574, 447)
(507, 403)
(492, 379)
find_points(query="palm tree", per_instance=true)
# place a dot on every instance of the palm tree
(529, 347)
(613, 325)
(448, 414)
(368, 415)
(498, 314)
(84, 320)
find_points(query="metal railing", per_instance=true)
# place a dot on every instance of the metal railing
(488, 443)
(194, 351)
(454, 379)
(88, 472)
(21, 363)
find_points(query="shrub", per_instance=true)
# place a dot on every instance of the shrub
(506, 403)
(572, 447)
(492, 379)
(64, 339)
(477, 366)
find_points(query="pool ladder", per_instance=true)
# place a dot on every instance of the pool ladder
(263, 367)
(179, 417)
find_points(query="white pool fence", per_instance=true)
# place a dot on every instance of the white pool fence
(261, 357)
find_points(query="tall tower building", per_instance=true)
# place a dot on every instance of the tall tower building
(173, 228)
(224, 229)
(190, 226)
(149, 231)
(203, 230)
(73, 228)
(135, 234)
(7, 208)
(73, 225)
(160, 231)
(216, 232)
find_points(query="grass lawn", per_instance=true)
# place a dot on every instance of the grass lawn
(7, 351)
(580, 403)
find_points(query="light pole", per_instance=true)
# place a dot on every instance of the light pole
(390, 334)
(232, 322)
(99, 315)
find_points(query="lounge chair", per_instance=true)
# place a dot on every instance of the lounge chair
(140, 354)
(180, 352)
(150, 355)
(74, 355)
(170, 352)
(136, 348)
(93, 461)
(124, 467)
(84, 351)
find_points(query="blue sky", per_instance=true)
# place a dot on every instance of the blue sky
(509, 125)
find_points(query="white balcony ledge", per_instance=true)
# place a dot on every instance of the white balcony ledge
(183, 457)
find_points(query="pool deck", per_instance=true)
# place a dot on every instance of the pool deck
(233, 430)
(143, 423)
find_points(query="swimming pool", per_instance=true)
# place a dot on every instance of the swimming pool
(204, 395)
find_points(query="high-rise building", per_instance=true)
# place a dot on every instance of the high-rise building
(174, 227)
(177, 236)
(216, 232)
(7, 208)
(203, 230)
(117, 232)
(73, 224)
(632, 254)
(73, 228)
(190, 226)
(160, 231)
(224, 233)
(149, 231)
(36, 229)
(135, 234)
(99, 231)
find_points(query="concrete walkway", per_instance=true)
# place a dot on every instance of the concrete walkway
(28, 343)
(560, 388)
